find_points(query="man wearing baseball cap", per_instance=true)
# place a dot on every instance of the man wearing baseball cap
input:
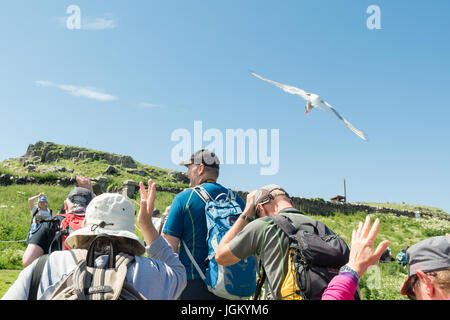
(429, 270)
(186, 222)
(261, 237)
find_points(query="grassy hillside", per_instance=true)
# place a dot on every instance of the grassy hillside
(49, 162)
(15, 216)
(409, 207)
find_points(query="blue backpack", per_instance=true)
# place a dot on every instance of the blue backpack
(232, 282)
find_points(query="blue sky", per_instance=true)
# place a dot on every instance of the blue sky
(138, 70)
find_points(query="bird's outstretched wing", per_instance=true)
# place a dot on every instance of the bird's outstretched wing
(285, 87)
(359, 133)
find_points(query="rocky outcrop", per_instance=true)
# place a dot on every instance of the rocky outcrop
(45, 152)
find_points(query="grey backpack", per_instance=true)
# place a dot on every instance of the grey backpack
(88, 282)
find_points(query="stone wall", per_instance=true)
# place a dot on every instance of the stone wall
(308, 206)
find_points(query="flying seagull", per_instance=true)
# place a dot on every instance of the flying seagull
(313, 100)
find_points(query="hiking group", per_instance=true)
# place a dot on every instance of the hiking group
(210, 244)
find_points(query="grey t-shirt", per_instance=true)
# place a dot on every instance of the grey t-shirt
(263, 238)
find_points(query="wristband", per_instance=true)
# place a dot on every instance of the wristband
(245, 217)
(349, 270)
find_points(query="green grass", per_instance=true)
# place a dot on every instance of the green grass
(7, 278)
(15, 216)
(409, 207)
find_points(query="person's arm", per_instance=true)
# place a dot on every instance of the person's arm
(85, 182)
(33, 199)
(173, 226)
(172, 272)
(146, 212)
(341, 287)
(224, 256)
(19, 290)
(174, 242)
(362, 256)
(32, 252)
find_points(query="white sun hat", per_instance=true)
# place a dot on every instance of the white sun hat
(111, 214)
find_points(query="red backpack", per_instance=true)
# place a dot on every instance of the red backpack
(67, 224)
(71, 222)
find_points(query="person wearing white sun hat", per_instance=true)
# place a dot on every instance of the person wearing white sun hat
(161, 276)
(110, 214)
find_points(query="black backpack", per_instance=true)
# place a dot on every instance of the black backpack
(316, 252)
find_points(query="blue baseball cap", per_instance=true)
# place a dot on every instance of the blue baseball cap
(42, 199)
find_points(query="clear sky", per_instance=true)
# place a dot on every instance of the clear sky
(137, 71)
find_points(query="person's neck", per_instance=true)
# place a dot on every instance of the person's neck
(207, 180)
(278, 207)
(441, 295)
(283, 205)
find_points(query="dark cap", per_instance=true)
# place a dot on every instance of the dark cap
(432, 254)
(204, 156)
(267, 193)
(80, 196)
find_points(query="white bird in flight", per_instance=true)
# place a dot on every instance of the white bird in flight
(313, 100)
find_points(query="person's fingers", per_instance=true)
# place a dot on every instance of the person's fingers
(358, 232)
(366, 227)
(142, 191)
(151, 195)
(153, 191)
(380, 249)
(353, 235)
(150, 184)
(373, 232)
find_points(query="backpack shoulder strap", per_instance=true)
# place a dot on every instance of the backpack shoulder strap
(229, 195)
(200, 272)
(284, 224)
(202, 193)
(36, 278)
(260, 283)
(34, 211)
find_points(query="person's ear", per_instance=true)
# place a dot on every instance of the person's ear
(262, 210)
(200, 169)
(426, 281)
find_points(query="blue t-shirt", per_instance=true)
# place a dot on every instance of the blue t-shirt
(187, 221)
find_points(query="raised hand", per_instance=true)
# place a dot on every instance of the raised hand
(362, 253)
(250, 208)
(146, 211)
(85, 182)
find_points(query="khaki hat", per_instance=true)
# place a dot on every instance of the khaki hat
(114, 215)
(267, 193)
